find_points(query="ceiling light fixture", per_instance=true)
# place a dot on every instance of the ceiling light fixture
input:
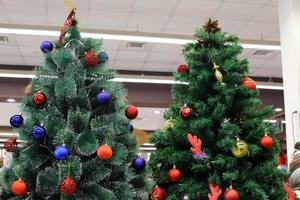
(157, 112)
(164, 40)
(10, 100)
(278, 109)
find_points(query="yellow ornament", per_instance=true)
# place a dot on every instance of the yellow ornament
(218, 74)
(168, 124)
(240, 148)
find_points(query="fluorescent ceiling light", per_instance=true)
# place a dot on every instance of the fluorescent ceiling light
(157, 112)
(270, 120)
(163, 40)
(270, 87)
(10, 100)
(278, 109)
(11, 75)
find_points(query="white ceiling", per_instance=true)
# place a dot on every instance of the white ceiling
(249, 19)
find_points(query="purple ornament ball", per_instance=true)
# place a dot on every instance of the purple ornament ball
(103, 98)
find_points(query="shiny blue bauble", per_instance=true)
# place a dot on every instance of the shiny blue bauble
(103, 57)
(103, 98)
(60, 152)
(16, 121)
(139, 163)
(38, 132)
(130, 127)
(46, 46)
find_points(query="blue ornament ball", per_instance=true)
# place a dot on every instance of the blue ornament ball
(46, 46)
(103, 57)
(16, 121)
(103, 98)
(38, 132)
(60, 152)
(130, 127)
(139, 163)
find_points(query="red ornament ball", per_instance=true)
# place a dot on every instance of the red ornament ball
(231, 194)
(185, 112)
(68, 186)
(131, 112)
(174, 175)
(266, 142)
(182, 68)
(249, 83)
(158, 193)
(10, 144)
(91, 59)
(19, 188)
(39, 99)
(104, 152)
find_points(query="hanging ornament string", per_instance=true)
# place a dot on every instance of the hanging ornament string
(69, 5)
(67, 24)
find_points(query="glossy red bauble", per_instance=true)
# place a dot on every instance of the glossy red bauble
(231, 194)
(174, 175)
(68, 186)
(158, 193)
(91, 59)
(131, 112)
(39, 99)
(19, 188)
(249, 83)
(182, 68)
(266, 142)
(104, 152)
(185, 112)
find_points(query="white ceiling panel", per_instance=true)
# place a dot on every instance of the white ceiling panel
(268, 14)
(159, 57)
(9, 50)
(233, 11)
(249, 2)
(167, 48)
(111, 5)
(11, 60)
(33, 41)
(57, 16)
(29, 3)
(256, 62)
(161, 67)
(159, 7)
(110, 45)
(147, 22)
(79, 4)
(33, 60)
(195, 8)
(258, 30)
(183, 25)
(31, 51)
(112, 20)
(3, 17)
(27, 15)
(128, 65)
(231, 26)
(132, 56)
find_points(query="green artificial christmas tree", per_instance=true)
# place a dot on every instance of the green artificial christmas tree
(215, 143)
(78, 141)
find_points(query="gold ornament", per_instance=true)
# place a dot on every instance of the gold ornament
(218, 74)
(240, 148)
(168, 124)
(28, 89)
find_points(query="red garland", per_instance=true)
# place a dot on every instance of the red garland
(67, 24)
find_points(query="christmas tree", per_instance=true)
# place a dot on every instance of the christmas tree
(215, 143)
(78, 141)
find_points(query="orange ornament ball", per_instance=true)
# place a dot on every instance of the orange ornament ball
(19, 188)
(104, 152)
(174, 175)
(249, 83)
(266, 142)
(231, 194)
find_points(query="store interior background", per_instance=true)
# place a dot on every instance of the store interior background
(255, 22)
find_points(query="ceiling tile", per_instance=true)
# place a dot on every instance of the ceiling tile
(160, 7)
(233, 11)
(256, 62)
(146, 22)
(168, 48)
(258, 30)
(268, 14)
(79, 4)
(29, 3)
(82, 16)
(11, 60)
(128, 65)
(33, 51)
(9, 50)
(196, 8)
(183, 25)
(110, 45)
(33, 41)
(57, 16)
(160, 57)
(132, 56)
(272, 65)
(157, 67)
(35, 61)
(3, 18)
(231, 26)
(11, 40)
(111, 5)
(112, 20)
(30, 15)
(249, 2)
